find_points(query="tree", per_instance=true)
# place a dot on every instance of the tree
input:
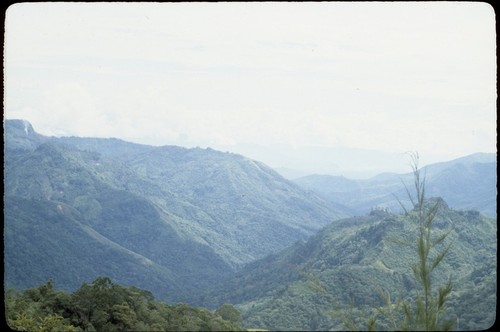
(230, 313)
(425, 313)
(105, 306)
(123, 317)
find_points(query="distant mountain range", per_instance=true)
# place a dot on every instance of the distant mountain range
(207, 227)
(168, 219)
(469, 182)
(354, 163)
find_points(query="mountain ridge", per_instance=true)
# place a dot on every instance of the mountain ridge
(477, 172)
(343, 267)
(207, 227)
(200, 213)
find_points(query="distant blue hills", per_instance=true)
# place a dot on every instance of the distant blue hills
(469, 182)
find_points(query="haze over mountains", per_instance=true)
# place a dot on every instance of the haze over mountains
(165, 208)
(464, 183)
(356, 163)
(207, 227)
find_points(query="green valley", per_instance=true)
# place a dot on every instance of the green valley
(342, 270)
(206, 228)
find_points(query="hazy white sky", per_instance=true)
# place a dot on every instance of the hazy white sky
(391, 76)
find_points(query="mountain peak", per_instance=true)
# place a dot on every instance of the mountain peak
(19, 134)
(21, 126)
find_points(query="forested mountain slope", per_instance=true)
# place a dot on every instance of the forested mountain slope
(191, 215)
(341, 270)
(66, 220)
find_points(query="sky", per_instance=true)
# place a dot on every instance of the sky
(384, 76)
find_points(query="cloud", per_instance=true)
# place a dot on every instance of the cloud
(392, 76)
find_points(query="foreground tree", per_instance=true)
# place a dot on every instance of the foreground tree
(425, 311)
(104, 306)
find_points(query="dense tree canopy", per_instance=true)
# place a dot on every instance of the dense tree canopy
(105, 306)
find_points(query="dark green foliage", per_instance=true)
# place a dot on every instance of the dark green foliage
(104, 306)
(354, 262)
(424, 310)
(229, 312)
(350, 271)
